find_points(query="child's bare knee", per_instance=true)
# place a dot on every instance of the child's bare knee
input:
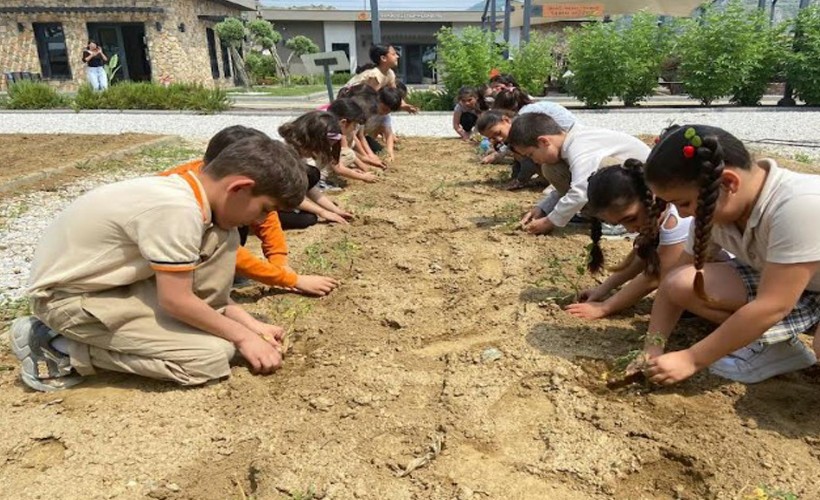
(678, 286)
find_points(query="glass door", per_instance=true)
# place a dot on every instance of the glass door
(109, 37)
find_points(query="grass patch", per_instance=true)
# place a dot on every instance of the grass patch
(13, 308)
(11, 212)
(292, 90)
(324, 258)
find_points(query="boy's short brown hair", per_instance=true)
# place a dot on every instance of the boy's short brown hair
(527, 128)
(273, 165)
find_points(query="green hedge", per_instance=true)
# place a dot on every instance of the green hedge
(804, 63)
(430, 100)
(143, 95)
(33, 95)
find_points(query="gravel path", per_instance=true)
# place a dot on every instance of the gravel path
(748, 124)
(33, 212)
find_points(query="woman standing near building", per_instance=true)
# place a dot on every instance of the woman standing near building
(95, 59)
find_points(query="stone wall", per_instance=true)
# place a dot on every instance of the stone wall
(175, 55)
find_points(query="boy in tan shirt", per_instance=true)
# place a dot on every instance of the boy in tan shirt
(135, 276)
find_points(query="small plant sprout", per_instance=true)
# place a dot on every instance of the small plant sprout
(567, 272)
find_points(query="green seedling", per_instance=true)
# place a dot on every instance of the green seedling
(439, 192)
(566, 272)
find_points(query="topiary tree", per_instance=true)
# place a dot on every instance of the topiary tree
(299, 46)
(231, 32)
(804, 63)
(533, 63)
(468, 57)
(263, 35)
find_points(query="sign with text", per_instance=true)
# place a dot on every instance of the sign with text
(571, 10)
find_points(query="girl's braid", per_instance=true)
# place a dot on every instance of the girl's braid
(596, 255)
(646, 244)
(711, 168)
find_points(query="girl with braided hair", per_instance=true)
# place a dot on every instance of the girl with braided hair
(769, 292)
(619, 195)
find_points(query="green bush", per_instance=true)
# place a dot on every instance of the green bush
(533, 63)
(644, 47)
(144, 95)
(724, 53)
(467, 58)
(339, 78)
(609, 62)
(33, 95)
(260, 66)
(766, 58)
(804, 63)
(431, 100)
(595, 59)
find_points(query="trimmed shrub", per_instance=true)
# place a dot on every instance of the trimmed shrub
(595, 59)
(766, 57)
(144, 95)
(533, 63)
(431, 100)
(467, 58)
(804, 63)
(33, 95)
(260, 66)
(644, 46)
(724, 54)
(339, 78)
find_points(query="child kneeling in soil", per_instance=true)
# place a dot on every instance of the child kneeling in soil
(764, 297)
(470, 105)
(274, 270)
(619, 195)
(135, 276)
(568, 159)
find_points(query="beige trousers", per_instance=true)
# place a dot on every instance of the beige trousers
(124, 329)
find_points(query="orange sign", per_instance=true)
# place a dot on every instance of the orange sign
(572, 10)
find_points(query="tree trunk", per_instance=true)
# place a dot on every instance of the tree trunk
(239, 68)
(287, 65)
(281, 71)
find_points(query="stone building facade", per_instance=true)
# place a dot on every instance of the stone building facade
(160, 41)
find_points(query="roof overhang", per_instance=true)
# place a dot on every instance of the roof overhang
(405, 16)
(80, 10)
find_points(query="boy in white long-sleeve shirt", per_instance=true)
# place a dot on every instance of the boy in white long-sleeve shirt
(568, 159)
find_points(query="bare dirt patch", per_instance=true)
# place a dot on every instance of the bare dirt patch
(442, 368)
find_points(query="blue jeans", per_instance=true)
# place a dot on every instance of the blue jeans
(97, 77)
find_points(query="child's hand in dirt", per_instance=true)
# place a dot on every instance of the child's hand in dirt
(587, 310)
(489, 158)
(271, 333)
(671, 368)
(389, 157)
(370, 177)
(641, 362)
(539, 226)
(334, 217)
(344, 213)
(262, 355)
(591, 295)
(534, 213)
(316, 285)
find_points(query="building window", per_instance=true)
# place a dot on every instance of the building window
(52, 50)
(209, 33)
(226, 62)
(344, 47)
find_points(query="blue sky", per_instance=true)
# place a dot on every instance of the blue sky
(385, 4)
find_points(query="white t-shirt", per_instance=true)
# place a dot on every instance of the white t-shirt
(562, 116)
(677, 234)
(122, 233)
(584, 150)
(782, 228)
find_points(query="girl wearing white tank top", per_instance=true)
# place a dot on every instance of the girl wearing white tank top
(619, 195)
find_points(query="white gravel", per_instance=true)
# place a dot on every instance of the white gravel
(31, 213)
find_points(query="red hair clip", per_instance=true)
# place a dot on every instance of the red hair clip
(689, 151)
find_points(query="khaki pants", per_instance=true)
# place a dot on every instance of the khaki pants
(124, 329)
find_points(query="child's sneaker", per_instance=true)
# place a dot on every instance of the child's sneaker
(43, 368)
(758, 362)
(328, 187)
